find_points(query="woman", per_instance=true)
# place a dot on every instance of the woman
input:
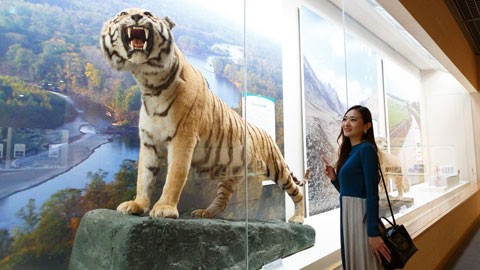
(356, 177)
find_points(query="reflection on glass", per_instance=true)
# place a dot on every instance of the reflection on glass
(401, 149)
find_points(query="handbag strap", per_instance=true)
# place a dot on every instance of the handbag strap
(388, 221)
(386, 193)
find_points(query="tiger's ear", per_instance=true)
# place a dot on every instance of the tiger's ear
(169, 22)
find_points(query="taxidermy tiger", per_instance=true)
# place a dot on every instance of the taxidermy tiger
(180, 115)
(392, 168)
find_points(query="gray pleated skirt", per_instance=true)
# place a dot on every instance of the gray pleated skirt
(358, 253)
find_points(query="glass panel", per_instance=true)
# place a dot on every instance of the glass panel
(322, 58)
(263, 111)
(448, 156)
(264, 108)
(421, 115)
(216, 50)
(69, 138)
(402, 149)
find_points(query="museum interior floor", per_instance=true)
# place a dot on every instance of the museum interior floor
(467, 256)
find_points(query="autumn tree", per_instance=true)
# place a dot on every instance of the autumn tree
(96, 79)
(54, 234)
(96, 195)
(20, 61)
(6, 90)
(74, 70)
(29, 216)
(5, 243)
(48, 66)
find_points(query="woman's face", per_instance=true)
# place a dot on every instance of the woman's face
(352, 125)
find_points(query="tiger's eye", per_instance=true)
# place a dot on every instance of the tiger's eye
(147, 13)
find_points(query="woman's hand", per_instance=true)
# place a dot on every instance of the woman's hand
(379, 247)
(328, 170)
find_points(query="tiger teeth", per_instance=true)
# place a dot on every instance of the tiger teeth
(145, 46)
(131, 44)
(146, 34)
(129, 32)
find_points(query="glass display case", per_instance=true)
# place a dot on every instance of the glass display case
(70, 134)
(355, 53)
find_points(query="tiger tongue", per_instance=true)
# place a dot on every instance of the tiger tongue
(138, 43)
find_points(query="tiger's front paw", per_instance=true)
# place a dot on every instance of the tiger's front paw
(165, 211)
(296, 220)
(202, 213)
(131, 208)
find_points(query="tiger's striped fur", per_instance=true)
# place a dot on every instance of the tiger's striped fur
(181, 116)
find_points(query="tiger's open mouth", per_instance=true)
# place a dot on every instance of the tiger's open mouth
(137, 39)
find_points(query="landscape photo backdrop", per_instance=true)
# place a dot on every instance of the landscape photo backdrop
(69, 122)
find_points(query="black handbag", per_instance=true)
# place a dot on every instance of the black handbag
(396, 238)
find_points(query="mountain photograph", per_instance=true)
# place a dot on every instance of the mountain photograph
(328, 93)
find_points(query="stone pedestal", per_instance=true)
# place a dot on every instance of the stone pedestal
(109, 240)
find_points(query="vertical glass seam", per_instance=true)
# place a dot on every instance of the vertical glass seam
(385, 111)
(345, 52)
(472, 123)
(302, 107)
(246, 125)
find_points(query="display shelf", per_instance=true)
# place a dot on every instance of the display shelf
(431, 206)
(416, 215)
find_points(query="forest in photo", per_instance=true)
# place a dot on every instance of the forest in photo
(45, 239)
(53, 46)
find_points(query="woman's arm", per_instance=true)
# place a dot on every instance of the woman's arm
(330, 173)
(369, 161)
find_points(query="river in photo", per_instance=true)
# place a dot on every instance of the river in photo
(107, 157)
(220, 86)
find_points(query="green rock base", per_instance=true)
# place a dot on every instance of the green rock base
(107, 239)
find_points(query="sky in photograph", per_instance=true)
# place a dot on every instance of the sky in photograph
(263, 17)
(323, 46)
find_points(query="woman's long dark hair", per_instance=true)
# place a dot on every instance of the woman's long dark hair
(346, 145)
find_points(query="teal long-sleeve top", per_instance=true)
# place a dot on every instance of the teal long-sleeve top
(358, 177)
